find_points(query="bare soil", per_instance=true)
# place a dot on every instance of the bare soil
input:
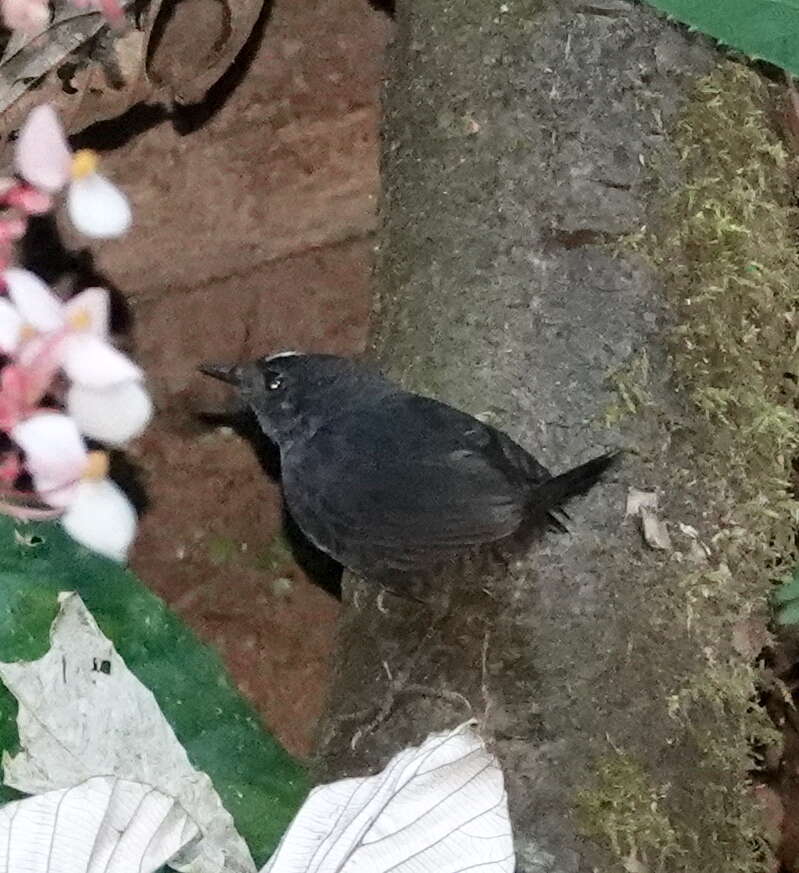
(253, 235)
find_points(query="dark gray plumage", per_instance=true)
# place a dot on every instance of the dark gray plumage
(385, 480)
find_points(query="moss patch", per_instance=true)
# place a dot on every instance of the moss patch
(275, 556)
(725, 247)
(732, 275)
(625, 810)
(729, 261)
(631, 386)
(223, 550)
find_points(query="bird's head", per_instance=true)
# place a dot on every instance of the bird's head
(293, 394)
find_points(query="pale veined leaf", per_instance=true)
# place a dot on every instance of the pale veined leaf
(83, 713)
(103, 825)
(437, 808)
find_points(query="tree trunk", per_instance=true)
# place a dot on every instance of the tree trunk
(526, 145)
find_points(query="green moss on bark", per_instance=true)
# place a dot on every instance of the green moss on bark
(725, 248)
(624, 809)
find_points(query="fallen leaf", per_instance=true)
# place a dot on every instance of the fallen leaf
(644, 505)
(638, 500)
(699, 552)
(632, 864)
(107, 824)
(83, 713)
(438, 807)
(171, 53)
(656, 533)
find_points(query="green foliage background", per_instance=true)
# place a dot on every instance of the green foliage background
(259, 783)
(767, 29)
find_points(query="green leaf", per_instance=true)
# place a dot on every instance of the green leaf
(259, 783)
(760, 28)
(789, 614)
(789, 590)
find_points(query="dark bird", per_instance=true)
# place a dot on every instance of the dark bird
(384, 480)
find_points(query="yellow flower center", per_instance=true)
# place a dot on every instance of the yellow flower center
(80, 320)
(96, 466)
(27, 331)
(84, 163)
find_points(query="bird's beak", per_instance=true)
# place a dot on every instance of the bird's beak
(230, 373)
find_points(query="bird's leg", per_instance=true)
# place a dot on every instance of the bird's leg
(400, 584)
(396, 592)
(398, 684)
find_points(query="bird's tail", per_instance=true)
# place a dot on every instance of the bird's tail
(549, 495)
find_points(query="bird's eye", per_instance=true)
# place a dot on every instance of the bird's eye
(275, 383)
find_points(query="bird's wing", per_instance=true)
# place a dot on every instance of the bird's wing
(410, 477)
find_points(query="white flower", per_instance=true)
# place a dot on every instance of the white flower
(55, 455)
(10, 327)
(111, 415)
(96, 206)
(65, 475)
(28, 16)
(101, 518)
(43, 158)
(106, 397)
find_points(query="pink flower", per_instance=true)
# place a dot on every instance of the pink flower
(60, 350)
(18, 201)
(112, 10)
(10, 469)
(95, 511)
(55, 455)
(29, 16)
(43, 158)
(82, 327)
(13, 396)
(27, 199)
(12, 229)
(10, 327)
(106, 395)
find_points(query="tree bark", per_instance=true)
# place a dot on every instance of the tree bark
(518, 143)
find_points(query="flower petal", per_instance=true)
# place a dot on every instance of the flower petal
(42, 156)
(95, 363)
(10, 327)
(10, 468)
(112, 9)
(13, 229)
(36, 303)
(101, 518)
(112, 416)
(55, 455)
(97, 207)
(13, 407)
(28, 16)
(30, 200)
(89, 311)
(39, 359)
